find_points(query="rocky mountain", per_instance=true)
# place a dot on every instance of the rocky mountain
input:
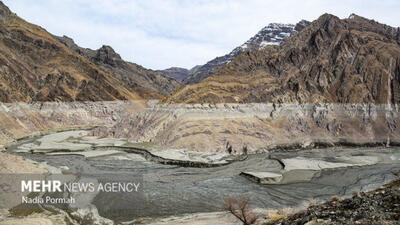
(34, 66)
(176, 72)
(332, 60)
(273, 34)
(152, 84)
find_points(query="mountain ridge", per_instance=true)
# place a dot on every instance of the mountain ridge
(272, 34)
(154, 84)
(353, 60)
(177, 73)
(36, 67)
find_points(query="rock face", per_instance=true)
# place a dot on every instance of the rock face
(34, 66)
(20, 120)
(375, 207)
(353, 60)
(259, 127)
(176, 72)
(149, 83)
(273, 34)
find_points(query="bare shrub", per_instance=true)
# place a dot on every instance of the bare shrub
(335, 198)
(280, 214)
(239, 207)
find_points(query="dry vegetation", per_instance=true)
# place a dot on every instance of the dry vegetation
(335, 198)
(377, 207)
(240, 208)
(280, 214)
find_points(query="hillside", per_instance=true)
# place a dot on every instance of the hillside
(353, 60)
(176, 72)
(149, 83)
(34, 66)
(272, 34)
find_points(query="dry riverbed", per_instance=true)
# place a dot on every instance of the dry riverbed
(197, 193)
(76, 142)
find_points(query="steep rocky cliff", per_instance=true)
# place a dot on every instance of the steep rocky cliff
(34, 66)
(259, 127)
(18, 120)
(332, 60)
(272, 34)
(152, 84)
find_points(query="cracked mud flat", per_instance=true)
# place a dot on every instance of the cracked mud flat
(175, 190)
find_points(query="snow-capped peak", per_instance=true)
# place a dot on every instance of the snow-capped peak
(272, 34)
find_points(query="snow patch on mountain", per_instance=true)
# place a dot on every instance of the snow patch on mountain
(272, 34)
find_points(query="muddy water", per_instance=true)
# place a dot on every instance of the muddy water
(173, 190)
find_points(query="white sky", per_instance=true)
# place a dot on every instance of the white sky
(163, 33)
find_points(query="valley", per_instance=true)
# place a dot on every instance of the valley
(181, 180)
(174, 190)
(297, 115)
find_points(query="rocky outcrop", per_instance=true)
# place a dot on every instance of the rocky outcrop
(176, 72)
(259, 127)
(272, 34)
(34, 66)
(148, 83)
(21, 120)
(379, 206)
(332, 60)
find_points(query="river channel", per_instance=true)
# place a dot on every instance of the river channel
(173, 189)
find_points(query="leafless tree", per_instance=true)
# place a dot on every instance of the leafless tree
(239, 207)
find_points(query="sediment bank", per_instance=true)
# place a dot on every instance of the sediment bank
(259, 127)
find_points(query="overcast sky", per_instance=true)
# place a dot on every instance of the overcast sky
(163, 33)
